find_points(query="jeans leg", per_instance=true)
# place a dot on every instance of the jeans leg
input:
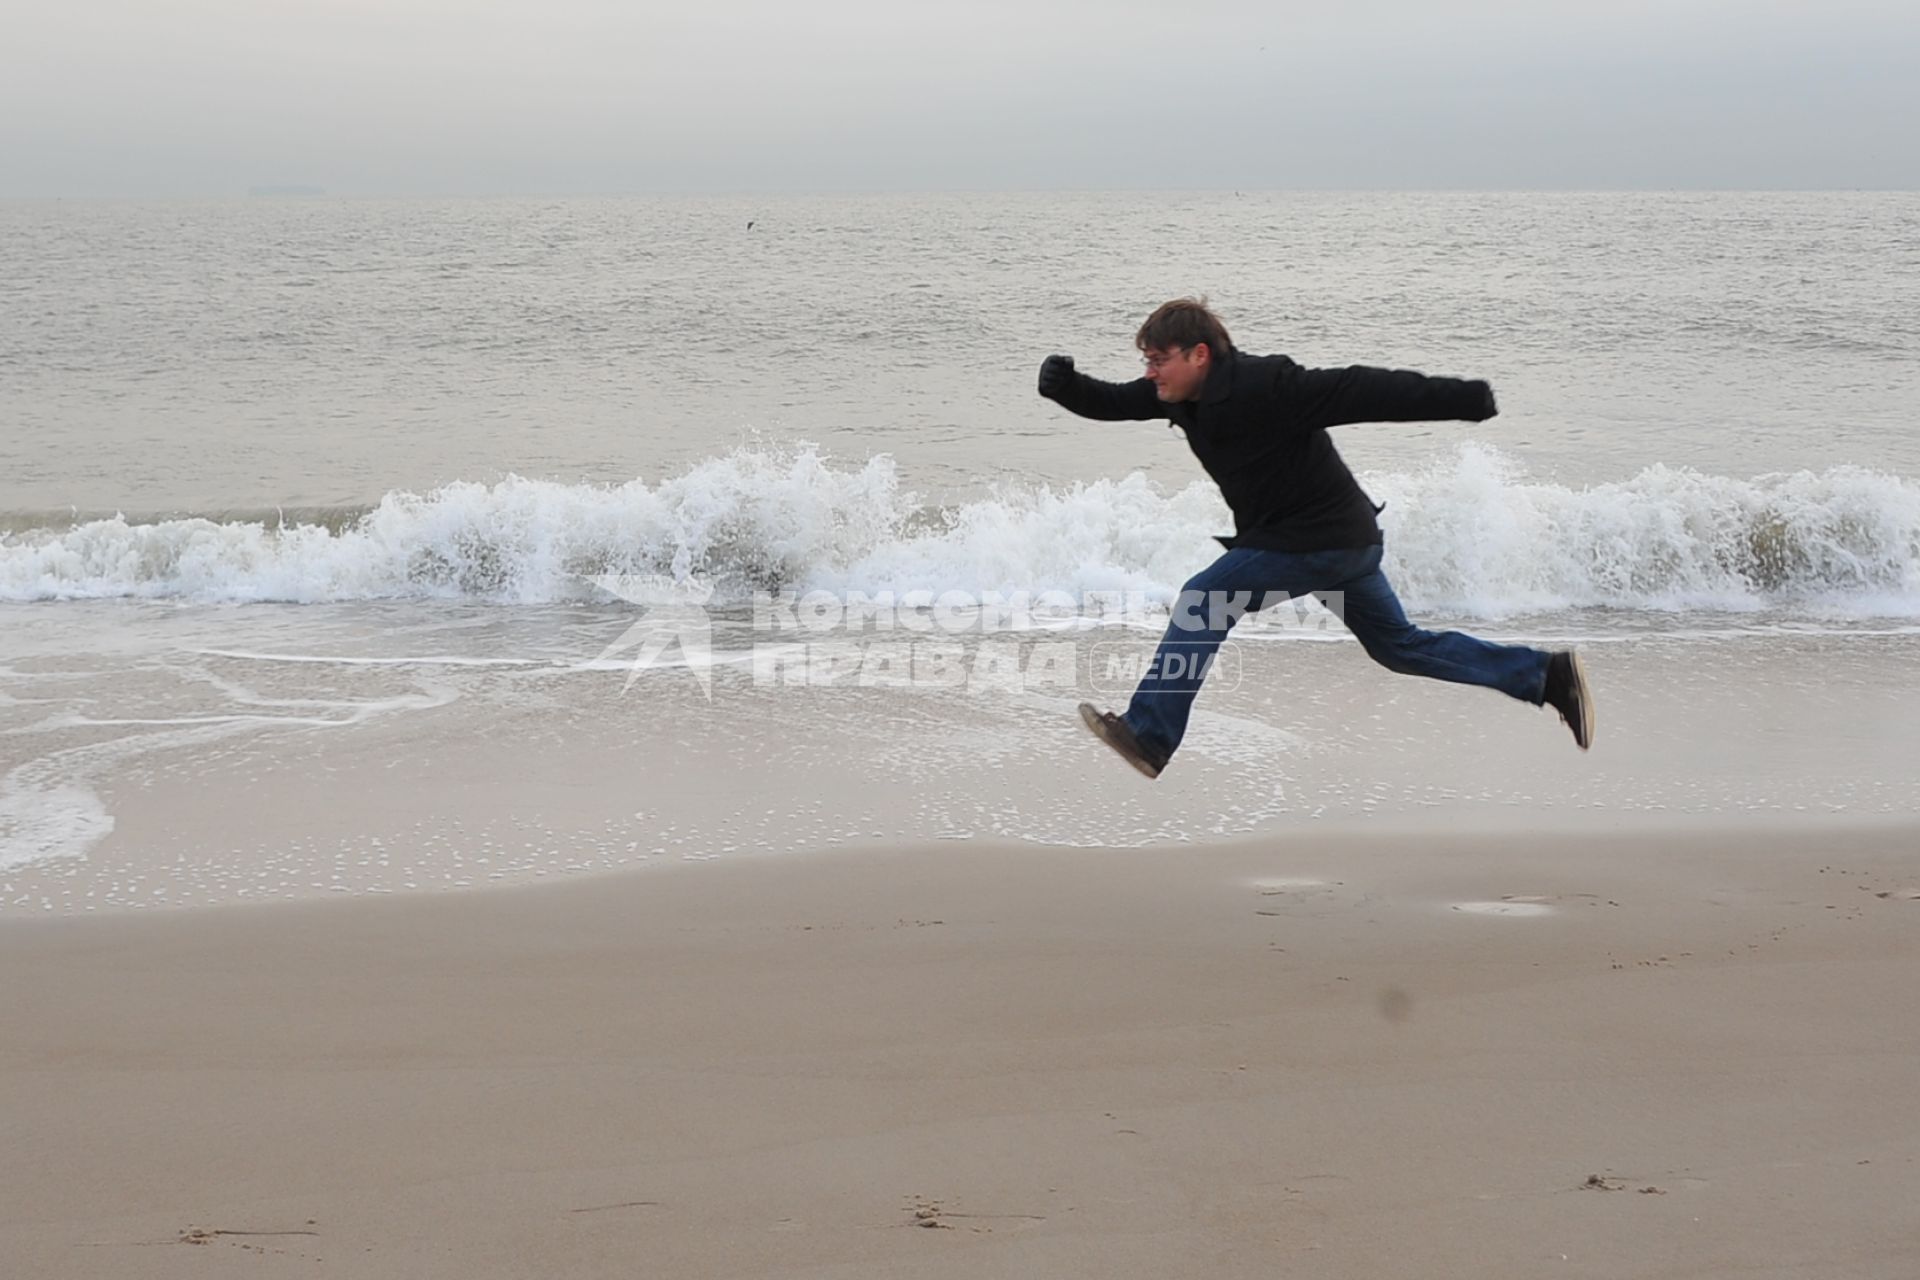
(1242, 580)
(1373, 613)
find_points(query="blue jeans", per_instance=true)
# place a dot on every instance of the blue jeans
(1245, 580)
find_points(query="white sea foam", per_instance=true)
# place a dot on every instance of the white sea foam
(44, 814)
(430, 660)
(1477, 536)
(49, 809)
(1474, 535)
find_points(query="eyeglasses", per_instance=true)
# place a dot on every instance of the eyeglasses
(1159, 361)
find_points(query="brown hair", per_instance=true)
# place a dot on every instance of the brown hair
(1183, 323)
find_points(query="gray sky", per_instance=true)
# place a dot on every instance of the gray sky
(401, 97)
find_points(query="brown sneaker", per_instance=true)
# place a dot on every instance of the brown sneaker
(1113, 731)
(1567, 693)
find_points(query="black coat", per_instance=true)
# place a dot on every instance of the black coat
(1259, 429)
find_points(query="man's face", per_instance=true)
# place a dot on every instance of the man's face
(1177, 373)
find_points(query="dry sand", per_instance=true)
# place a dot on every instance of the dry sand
(1678, 1053)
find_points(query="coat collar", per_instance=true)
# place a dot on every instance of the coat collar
(1219, 384)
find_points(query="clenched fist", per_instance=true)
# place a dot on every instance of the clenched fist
(1055, 373)
(1487, 408)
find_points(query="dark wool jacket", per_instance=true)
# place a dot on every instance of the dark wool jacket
(1259, 429)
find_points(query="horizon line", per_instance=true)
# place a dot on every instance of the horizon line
(320, 192)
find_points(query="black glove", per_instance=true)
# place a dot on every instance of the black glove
(1487, 407)
(1055, 373)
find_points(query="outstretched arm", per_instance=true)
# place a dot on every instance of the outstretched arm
(1134, 401)
(1330, 397)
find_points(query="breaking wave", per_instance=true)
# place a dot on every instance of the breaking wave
(1474, 535)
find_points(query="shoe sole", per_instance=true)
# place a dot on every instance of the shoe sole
(1584, 736)
(1093, 720)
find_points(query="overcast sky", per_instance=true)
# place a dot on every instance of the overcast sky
(431, 97)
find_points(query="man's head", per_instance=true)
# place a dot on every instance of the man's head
(1180, 341)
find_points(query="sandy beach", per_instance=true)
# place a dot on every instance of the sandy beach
(1625, 1050)
(539, 724)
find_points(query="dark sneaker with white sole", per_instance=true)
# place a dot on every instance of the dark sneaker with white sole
(1567, 693)
(1113, 731)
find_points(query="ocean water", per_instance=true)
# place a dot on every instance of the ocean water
(301, 498)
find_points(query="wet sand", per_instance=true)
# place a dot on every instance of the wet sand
(1374, 1051)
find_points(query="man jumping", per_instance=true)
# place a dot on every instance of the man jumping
(1302, 525)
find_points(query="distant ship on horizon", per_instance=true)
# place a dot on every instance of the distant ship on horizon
(293, 189)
